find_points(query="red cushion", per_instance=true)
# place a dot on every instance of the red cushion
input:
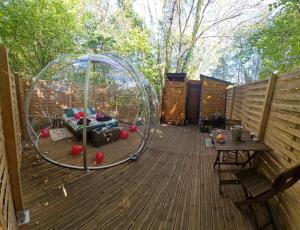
(77, 116)
(81, 113)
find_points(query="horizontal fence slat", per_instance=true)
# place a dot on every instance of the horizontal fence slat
(281, 134)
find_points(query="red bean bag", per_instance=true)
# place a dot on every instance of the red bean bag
(123, 134)
(76, 149)
(133, 128)
(44, 133)
(99, 157)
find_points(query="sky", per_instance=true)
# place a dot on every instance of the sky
(211, 47)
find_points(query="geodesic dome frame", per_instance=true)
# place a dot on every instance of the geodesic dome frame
(91, 69)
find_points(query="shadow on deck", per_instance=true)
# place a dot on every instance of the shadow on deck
(172, 186)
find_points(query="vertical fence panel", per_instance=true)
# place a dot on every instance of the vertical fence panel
(7, 210)
(248, 104)
(11, 128)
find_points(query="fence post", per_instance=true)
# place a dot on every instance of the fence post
(11, 129)
(232, 101)
(267, 106)
(20, 100)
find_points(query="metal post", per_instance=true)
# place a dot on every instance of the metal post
(86, 89)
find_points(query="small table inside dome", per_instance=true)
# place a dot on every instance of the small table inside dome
(245, 146)
(56, 121)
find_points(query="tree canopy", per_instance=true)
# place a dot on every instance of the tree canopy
(239, 40)
(36, 32)
(269, 47)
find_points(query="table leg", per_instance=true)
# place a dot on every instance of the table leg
(217, 161)
(219, 172)
(250, 157)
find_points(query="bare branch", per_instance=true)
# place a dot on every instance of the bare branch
(188, 17)
(203, 12)
(206, 29)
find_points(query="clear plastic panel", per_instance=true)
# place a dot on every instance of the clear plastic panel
(90, 112)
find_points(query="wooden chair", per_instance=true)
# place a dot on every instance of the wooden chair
(259, 189)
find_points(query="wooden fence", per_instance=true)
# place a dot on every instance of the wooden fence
(57, 97)
(271, 109)
(10, 145)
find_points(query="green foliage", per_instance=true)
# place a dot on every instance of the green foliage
(240, 63)
(36, 32)
(274, 45)
(279, 41)
(124, 34)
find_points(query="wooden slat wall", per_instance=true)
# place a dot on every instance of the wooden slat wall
(281, 132)
(15, 106)
(283, 135)
(12, 139)
(125, 104)
(248, 104)
(213, 95)
(7, 211)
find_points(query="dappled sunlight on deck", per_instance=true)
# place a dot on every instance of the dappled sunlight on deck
(173, 185)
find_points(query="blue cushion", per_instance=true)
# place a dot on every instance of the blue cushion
(92, 110)
(75, 110)
(69, 112)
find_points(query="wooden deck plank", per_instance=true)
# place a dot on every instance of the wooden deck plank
(172, 186)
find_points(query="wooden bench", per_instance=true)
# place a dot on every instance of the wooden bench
(259, 189)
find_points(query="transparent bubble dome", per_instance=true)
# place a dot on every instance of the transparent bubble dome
(90, 111)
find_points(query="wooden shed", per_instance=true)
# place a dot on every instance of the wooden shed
(174, 99)
(213, 96)
(192, 100)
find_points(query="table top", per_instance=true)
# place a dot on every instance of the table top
(245, 145)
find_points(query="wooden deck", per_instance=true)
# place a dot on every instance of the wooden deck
(172, 186)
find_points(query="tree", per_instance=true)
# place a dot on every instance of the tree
(270, 46)
(240, 63)
(36, 32)
(185, 25)
(278, 40)
(120, 30)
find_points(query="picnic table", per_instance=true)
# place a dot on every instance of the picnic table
(247, 147)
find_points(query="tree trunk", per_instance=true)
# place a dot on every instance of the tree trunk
(187, 57)
(170, 18)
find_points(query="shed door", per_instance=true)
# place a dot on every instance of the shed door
(175, 104)
(193, 103)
